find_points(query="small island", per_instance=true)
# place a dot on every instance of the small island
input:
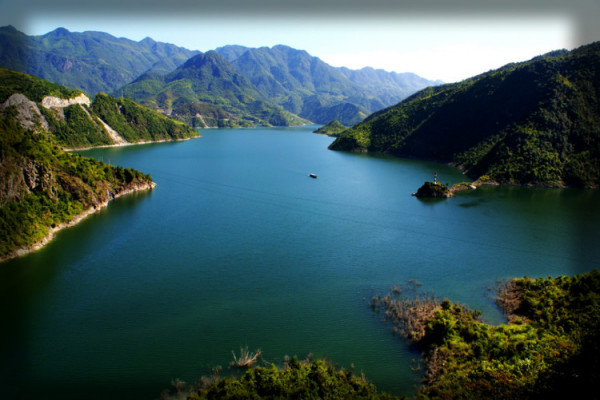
(333, 128)
(437, 190)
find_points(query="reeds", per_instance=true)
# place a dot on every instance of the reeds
(408, 310)
(246, 358)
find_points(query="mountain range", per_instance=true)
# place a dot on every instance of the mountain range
(245, 86)
(533, 123)
(91, 61)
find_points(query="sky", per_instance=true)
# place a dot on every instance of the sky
(446, 40)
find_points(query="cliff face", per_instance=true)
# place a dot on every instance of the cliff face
(44, 189)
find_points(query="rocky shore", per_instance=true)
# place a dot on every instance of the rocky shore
(77, 219)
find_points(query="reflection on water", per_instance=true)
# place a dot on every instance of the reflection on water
(238, 247)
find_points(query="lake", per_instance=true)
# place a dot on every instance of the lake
(237, 246)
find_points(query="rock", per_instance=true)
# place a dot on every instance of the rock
(433, 190)
(29, 114)
(55, 102)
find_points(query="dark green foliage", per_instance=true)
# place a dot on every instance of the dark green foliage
(549, 350)
(333, 128)
(33, 88)
(43, 186)
(209, 78)
(315, 379)
(433, 190)
(79, 126)
(135, 122)
(76, 129)
(529, 123)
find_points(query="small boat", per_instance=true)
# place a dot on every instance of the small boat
(314, 176)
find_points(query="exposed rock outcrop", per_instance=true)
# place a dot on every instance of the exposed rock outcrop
(28, 113)
(55, 102)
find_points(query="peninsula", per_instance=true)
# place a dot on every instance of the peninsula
(43, 187)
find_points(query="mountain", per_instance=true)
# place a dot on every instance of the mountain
(534, 122)
(389, 87)
(314, 90)
(74, 121)
(208, 83)
(91, 61)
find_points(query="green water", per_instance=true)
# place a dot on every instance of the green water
(237, 246)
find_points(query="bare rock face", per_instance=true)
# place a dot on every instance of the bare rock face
(28, 113)
(55, 102)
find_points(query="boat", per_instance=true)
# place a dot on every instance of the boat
(314, 176)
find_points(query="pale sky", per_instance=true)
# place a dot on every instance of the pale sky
(435, 42)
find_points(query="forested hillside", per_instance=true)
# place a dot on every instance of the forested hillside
(528, 123)
(43, 187)
(207, 88)
(307, 86)
(75, 121)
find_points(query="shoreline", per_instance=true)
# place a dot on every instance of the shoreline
(22, 251)
(476, 182)
(104, 146)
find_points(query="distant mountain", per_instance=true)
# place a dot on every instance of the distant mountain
(535, 122)
(314, 90)
(209, 83)
(74, 121)
(91, 61)
(273, 85)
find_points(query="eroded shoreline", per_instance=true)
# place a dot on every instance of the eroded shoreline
(22, 251)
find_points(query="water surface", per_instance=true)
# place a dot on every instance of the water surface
(237, 246)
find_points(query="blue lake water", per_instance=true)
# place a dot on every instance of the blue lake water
(238, 247)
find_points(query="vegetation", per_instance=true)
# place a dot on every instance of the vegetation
(32, 87)
(308, 379)
(74, 128)
(135, 122)
(529, 123)
(209, 78)
(44, 186)
(333, 128)
(549, 348)
(276, 86)
(308, 87)
(78, 125)
(433, 190)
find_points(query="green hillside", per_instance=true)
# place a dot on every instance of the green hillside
(208, 79)
(44, 186)
(333, 128)
(529, 123)
(85, 123)
(307, 86)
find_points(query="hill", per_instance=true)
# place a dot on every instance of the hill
(44, 189)
(307, 86)
(91, 61)
(74, 121)
(534, 122)
(333, 128)
(279, 83)
(207, 85)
